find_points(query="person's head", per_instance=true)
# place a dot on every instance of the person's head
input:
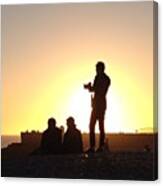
(100, 67)
(51, 123)
(70, 122)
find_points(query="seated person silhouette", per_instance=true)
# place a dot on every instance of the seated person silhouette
(51, 141)
(72, 142)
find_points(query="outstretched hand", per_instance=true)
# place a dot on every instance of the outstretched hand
(88, 86)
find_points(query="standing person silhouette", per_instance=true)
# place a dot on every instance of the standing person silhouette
(99, 87)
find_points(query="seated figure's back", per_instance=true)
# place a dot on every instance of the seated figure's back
(72, 139)
(51, 139)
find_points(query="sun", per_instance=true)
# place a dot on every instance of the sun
(79, 106)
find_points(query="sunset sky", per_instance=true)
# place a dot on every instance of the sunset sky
(50, 51)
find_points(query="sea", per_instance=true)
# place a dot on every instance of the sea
(7, 140)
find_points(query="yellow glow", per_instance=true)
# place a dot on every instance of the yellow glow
(79, 107)
(49, 52)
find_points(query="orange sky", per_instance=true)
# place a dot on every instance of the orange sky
(50, 51)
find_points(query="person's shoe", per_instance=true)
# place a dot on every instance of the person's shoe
(90, 150)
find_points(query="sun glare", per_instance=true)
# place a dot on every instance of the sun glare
(114, 113)
(79, 107)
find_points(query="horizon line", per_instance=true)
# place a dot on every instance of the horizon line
(154, 132)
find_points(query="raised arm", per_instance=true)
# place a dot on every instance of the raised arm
(92, 87)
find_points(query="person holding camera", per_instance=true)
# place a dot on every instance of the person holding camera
(99, 88)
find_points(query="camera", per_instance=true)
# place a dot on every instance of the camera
(87, 86)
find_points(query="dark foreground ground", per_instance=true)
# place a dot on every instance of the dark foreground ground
(114, 165)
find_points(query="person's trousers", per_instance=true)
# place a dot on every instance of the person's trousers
(96, 117)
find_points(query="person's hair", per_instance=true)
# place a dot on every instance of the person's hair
(51, 122)
(100, 65)
(71, 120)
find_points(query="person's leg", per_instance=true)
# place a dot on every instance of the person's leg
(92, 129)
(102, 131)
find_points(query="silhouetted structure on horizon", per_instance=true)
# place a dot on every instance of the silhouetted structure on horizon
(31, 138)
(99, 87)
(72, 142)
